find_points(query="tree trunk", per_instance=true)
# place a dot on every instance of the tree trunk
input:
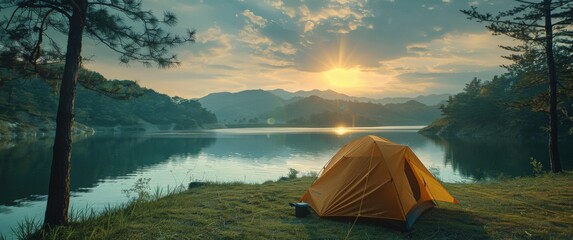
(553, 118)
(59, 189)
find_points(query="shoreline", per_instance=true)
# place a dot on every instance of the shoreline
(540, 208)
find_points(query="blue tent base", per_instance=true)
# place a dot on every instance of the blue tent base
(416, 212)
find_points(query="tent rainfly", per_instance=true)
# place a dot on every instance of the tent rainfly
(374, 178)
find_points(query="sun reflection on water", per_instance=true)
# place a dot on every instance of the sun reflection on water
(341, 131)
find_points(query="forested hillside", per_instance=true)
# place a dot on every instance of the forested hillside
(316, 111)
(28, 106)
(506, 106)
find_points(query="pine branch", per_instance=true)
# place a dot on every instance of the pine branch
(48, 4)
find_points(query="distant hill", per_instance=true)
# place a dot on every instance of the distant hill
(280, 106)
(28, 106)
(150, 111)
(326, 94)
(241, 107)
(316, 111)
(432, 99)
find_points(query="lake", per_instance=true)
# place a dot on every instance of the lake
(104, 165)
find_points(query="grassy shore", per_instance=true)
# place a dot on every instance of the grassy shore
(523, 208)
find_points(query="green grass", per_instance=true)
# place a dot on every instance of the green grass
(523, 208)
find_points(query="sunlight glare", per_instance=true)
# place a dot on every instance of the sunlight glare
(340, 131)
(343, 78)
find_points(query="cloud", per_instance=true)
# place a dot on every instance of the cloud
(283, 48)
(343, 16)
(335, 15)
(459, 49)
(214, 43)
(308, 26)
(252, 36)
(223, 67)
(254, 19)
(418, 49)
(449, 62)
(280, 5)
(331, 13)
(265, 47)
(268, 42)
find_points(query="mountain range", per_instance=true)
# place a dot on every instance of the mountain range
(319, 108)
(431, 99)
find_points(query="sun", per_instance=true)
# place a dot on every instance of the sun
(343, 78)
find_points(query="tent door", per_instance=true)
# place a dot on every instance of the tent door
(412, 180)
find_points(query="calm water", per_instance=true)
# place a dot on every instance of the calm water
(103, 166)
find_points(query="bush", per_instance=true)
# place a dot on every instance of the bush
(292, 173)
(537, 167)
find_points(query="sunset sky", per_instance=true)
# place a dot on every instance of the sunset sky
(371, 48)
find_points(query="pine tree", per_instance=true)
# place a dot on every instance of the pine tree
(542, 27)
(29, 41)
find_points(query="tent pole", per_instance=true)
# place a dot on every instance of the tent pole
(363, 192)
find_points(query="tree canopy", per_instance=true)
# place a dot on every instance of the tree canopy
(33, 31)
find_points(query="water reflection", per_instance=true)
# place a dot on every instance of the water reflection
(24, 169)
(493, 159)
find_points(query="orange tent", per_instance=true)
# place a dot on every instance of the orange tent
(373, 177)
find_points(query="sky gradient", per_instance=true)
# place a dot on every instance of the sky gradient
(370, 48)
